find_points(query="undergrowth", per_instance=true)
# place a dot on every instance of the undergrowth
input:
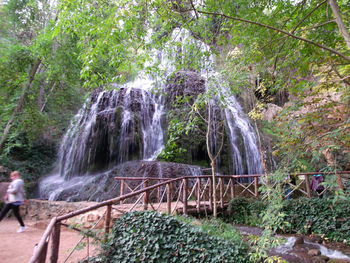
(153, 237)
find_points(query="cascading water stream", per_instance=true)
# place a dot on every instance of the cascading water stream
(238, 122)
(112, 127)
(117, 127)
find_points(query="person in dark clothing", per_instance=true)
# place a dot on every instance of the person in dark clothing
(316, 181)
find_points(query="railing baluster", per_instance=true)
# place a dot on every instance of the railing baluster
(256, 186)
(146, 196)
(308, 188)
(232, 187)
(185, 189)
(122, 186)
(339, 181)
(169, 197)
(211, 193)
(221, 184)
(108, 218)
(158, 192)
(198, 195)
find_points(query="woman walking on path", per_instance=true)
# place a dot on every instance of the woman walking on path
(14, 198)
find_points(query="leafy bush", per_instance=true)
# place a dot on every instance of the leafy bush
(32, 161)
(320, 216)
(153, 237)
(303, 215)
(246, 211)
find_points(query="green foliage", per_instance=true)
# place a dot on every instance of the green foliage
(32, 161)
(324, 217)
(315, 126)
(245, 211)
(152, 237)
(183, 124)
(214, 227)
(319, 216)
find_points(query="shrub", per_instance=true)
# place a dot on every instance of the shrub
(153, 237)
(245, 211)
(320, 216)
(303, 215)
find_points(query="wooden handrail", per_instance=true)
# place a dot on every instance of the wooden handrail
(40, 250)
(43, 242)
(114, 200)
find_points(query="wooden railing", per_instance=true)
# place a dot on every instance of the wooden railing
(189, 194)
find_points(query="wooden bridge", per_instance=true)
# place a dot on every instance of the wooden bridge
(184, 195)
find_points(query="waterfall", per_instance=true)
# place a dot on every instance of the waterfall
(238, 124)
(105, 131)
(120, 132)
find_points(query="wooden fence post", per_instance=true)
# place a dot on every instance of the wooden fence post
(339, 181)
(169, 197)
(43, 253)
(55, 243)
(184, 199)
(221, 182)
(146, 196)
(122, 187)
(211, 193)
(108, 218)
(198, 195)
(159, 191)
(308, 188)
(232, 187)
(256, 186)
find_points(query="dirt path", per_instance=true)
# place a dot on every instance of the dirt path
(18, 247)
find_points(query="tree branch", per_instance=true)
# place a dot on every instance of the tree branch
(331, 50)
(338, 19)
(295, 28)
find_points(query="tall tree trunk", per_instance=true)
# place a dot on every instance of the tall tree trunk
(20, 103)
(212, 158)
(339, 20)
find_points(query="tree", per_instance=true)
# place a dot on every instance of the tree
(40, 87)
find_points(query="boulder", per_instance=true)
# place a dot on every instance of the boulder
(271, 111)
(184, 83)
(314, 252)
(299, 241)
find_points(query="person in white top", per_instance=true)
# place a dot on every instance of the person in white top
(15, 197)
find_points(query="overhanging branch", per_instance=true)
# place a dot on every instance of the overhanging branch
(331, 50)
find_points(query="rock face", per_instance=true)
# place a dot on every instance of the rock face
(271, 111)
(108, 130)
(103, 186)
(184, 83)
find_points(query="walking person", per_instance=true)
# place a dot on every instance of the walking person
(14, 198)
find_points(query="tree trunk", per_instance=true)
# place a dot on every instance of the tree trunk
(212, 158)
(338, 19)
(215, 207)
(20, 103)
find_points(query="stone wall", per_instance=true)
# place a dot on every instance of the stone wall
(36, 209)
(3, 189)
